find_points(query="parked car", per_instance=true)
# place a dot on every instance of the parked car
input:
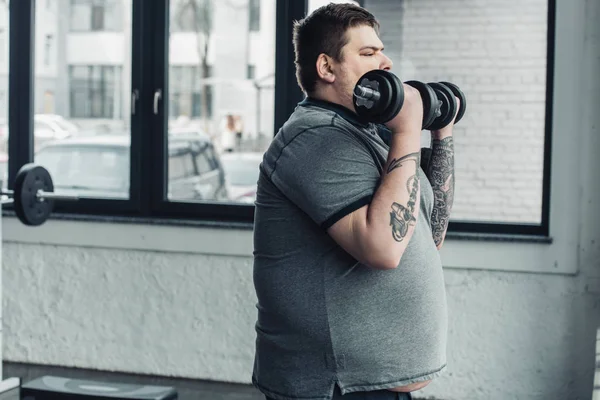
(241, 175)
(54, 126)
(98, 166)
(46, 127)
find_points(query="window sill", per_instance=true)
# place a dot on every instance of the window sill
(120, 219)
(461, 251)
(498, 237)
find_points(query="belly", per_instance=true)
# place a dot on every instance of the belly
(410, 388)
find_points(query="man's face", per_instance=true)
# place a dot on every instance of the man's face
(362, 53)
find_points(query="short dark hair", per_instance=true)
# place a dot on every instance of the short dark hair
(324, 31)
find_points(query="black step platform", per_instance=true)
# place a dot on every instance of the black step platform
(60, 388)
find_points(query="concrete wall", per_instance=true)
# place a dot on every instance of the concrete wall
(179, 300)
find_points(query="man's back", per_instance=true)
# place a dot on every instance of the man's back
(324, 318)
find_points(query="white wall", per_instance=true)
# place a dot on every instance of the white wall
(180, 301)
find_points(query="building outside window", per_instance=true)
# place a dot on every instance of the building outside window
(96, 15)
(93, 89)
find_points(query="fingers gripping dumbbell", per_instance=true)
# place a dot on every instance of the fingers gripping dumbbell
(33, 195)
(379, 95)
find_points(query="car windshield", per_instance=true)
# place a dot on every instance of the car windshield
(241, 172)
(91, 168)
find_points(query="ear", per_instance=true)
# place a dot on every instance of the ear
(325, 68)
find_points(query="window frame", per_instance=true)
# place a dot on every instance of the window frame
(150, 66)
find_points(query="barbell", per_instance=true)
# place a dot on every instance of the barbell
(33, 195)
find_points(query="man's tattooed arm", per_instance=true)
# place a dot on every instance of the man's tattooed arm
(403, 216)
(441, 175)
(378, 233)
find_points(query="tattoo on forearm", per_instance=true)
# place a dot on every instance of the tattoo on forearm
(403, 217)
(441, 176)
(398, 162)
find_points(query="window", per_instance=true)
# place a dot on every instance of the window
(47, 50)
(195, 16)
(204, 161)
(4, 69)
(193, 100)
(86, 169)
(93, 90)
(220, 106)
(499, 60)
(180, 166)
(254, 15)
(81, 132)
(187, 93)
(96, 15)
(251, 71)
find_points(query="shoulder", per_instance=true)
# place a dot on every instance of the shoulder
(311, 120)
(312, 136)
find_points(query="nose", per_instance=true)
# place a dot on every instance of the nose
(386, 63)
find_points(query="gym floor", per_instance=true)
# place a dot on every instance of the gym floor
(187, 389)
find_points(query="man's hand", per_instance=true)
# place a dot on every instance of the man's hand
(447, 130)
(410, 117)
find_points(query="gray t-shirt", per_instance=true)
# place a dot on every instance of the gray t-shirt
(324, 318)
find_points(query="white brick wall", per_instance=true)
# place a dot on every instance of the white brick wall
(495, 50)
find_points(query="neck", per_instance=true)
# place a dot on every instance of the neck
(332, 96)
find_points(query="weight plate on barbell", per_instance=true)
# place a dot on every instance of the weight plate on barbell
(30, 210)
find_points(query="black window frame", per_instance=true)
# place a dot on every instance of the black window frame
(148, 172)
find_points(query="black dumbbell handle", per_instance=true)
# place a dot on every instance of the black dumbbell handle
(366, 93)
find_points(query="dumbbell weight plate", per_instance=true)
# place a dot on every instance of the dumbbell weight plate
(429, 102)
(461, 96)
(397, 100)
(391, 97)
(28, 208)
(448, 108)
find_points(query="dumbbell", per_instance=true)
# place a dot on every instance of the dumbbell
(379, 95)
(33, 195)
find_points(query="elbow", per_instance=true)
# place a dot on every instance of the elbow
(384, 260)
(383, 255)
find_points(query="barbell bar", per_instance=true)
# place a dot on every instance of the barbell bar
(33, 195)
(42, 195)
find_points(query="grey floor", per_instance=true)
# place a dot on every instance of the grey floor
(187, 389)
